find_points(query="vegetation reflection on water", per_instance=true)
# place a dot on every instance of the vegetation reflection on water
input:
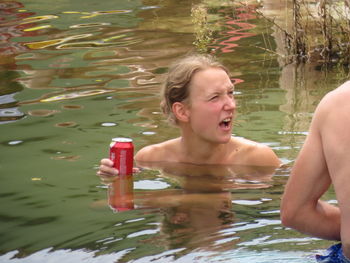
(75, 75)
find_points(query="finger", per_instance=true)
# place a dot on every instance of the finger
(102, 174)
(106, 162)
(106, 170)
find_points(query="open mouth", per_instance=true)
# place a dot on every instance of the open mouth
(225, 123)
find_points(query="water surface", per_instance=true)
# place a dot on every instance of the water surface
(75, 75)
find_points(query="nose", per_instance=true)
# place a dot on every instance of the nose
(230, 103)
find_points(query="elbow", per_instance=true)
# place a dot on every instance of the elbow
(289, 216)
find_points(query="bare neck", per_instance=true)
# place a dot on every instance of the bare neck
(203, 152)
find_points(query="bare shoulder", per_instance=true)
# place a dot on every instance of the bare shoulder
(338, 97)
(160, 152)
(334, 105)
(254, 153)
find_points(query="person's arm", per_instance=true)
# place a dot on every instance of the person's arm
(301, 207)
(336, 145)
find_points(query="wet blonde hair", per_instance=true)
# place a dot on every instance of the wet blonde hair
(177, 84)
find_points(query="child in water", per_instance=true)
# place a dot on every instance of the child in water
(198, 98)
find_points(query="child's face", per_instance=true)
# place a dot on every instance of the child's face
(212, 105)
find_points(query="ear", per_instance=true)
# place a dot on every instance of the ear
(181, 111)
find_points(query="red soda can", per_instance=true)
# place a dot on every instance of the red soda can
(121, 152)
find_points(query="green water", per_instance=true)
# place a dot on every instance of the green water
(75, 74)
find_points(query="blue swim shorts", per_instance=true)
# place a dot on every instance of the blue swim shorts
(334, 255)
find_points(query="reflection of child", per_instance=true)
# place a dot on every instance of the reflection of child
(198, 221)
(198, 97)
(198, 212)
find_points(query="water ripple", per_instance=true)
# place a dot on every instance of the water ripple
(76, 94)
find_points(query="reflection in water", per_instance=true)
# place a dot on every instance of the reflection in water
(73, 95)
(15, 142)
(90, 25)
(70, 158)
(66, 124)
(108, 124)
(33, 19)
(42, 113)
(305, 84)
(198, 214)
(9, 87)
(302, 95)
(196, 221)
(236, 28)
(10, 114)
(304, 90)
(73, 107)
(10, 27)
(57, 70)
(54, 42)
(121, 193)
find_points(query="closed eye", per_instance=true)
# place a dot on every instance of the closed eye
(231, 93)
(214, 97)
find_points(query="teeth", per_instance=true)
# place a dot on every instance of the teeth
(227, 120)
